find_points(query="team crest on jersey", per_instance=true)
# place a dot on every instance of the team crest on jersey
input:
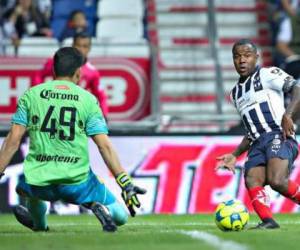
(275, 71)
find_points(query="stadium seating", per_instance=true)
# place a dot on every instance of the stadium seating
(115, 48)
(122, 29)
(117, 8)
(34, 46)
(188, 61)
(194, 65)
(252, 23)
(120, 20)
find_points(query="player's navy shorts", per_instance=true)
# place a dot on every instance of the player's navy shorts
(91, 190)
(271, 145)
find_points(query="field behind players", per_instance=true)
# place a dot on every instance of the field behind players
(182, 232)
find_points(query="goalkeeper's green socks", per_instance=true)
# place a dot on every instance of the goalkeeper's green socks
(37, 209)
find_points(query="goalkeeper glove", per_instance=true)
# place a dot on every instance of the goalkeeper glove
(1, 175)
(129, 192)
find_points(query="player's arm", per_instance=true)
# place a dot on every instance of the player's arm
(103, 103)
(287, 6)
(100, 94)
(291, 112)
(96, 128)
(109, 155)
(228, 160)
(10, 145)
(279, 80)
(13, 139)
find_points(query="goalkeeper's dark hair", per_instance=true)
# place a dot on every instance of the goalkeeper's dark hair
(66, 61)
(242, 42)
(82, 35)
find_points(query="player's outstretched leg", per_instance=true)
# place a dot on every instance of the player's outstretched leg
(292, 191)
(278, 179)
(279, 168)
(103, 215)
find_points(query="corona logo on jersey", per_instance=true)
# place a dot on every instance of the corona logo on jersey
(49, 94)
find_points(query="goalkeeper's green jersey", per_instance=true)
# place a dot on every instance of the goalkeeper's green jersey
(59, 116)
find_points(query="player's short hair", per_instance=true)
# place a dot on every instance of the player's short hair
(242, 42)
(66, 61)
(81, 35)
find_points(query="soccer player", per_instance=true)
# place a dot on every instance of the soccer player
(270, 140)
(90, 77)
(59, 116)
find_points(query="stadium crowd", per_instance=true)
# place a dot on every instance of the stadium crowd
(47, 18)
(285, 22)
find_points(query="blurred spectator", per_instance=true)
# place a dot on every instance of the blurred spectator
(77, 23)
(45, 7)
(5, 5)
(90, 78)
(24, 19)
(287, 37)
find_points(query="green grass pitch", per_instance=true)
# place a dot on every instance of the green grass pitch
(150, 232)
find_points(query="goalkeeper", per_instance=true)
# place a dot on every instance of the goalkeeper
(59, 116)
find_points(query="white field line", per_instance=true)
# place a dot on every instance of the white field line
(172, 224)
(129, 224)
(214, 241)
(208, 238)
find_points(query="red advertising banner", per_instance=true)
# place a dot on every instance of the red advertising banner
(126, 82)
(178, 173)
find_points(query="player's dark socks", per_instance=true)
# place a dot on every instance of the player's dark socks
(104, 217)
(23, 216)
(267, 224)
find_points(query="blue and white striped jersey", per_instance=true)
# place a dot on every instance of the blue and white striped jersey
(260, 100)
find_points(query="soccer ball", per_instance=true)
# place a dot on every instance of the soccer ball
(231, 215)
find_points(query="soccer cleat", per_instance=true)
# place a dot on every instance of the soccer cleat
(104, 217)
(23, 216)
(267, 224)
